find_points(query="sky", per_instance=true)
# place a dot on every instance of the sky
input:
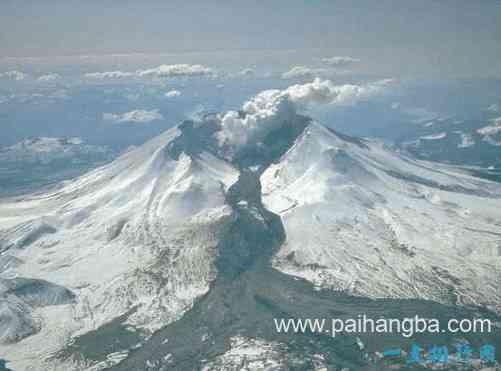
(457, 38)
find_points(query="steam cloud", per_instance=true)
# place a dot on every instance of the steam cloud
(268, 110)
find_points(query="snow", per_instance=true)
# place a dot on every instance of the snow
(255, 354)
(436, 136)
(491, 129)
(363, 219)
(140, 231)
(249, 355)
(143, 230)
(489, 132)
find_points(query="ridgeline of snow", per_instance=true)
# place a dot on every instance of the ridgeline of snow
(362, 219)
(137, 233)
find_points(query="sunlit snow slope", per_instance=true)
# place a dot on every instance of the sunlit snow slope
(133, 244)
(136, 236)
(362, 219)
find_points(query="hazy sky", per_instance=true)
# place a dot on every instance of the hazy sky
(418, 37)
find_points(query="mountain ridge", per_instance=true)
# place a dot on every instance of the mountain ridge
(183, 222)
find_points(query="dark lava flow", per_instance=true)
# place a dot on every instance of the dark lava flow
(248, 293)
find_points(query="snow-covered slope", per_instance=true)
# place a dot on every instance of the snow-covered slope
(136, 236)
(256, 355)
(134, 243)
(365, 220)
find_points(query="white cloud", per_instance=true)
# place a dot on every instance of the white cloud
(325, 92)
(269, 109)
(494, 107)
(13, 75)
(303, 72)
(49, 77)
(109, 75)
(176, 70)
(312, 72)
(334, 65)
(340, 62)
(246, 72)
(172, 94)
(162, 71)
(136, 116)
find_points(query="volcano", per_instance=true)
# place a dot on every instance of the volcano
(179, 254)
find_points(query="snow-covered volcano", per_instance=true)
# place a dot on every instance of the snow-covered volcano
(136, 235)
(362, 219)
(135, 243)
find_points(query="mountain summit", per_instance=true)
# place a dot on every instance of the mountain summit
(178, 254)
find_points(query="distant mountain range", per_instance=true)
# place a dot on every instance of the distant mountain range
(41, 161)
(471, 143)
